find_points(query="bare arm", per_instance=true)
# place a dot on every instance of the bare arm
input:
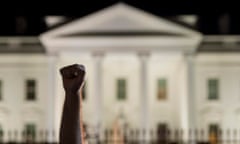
(71, 130)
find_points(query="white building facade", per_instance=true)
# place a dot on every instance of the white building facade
(142, 68)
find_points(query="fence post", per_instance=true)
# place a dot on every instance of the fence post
(192, 136)
(1, 136)
(168, 136)
(15, 139)
(125, 135)
(106, 136)
(151, 136)
(9, 136)
(220, 136)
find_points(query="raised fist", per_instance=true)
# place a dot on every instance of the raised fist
(73, 77)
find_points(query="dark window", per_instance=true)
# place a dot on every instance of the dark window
(121, 89)
(162, 89)
(213, 133)
(30, 131)
(162, 132)
(31, 89)
(213, 87)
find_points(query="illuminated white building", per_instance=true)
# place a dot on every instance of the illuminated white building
(152, 72)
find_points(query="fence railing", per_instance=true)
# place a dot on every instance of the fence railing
(130, 136)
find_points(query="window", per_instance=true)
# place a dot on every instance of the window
(30, 131)
(162, 89)
(213, 85)
(213, 133)
(30, 89)
(121, 89)
(162, 133)
(1, 89)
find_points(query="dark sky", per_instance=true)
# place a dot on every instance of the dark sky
(214, 18)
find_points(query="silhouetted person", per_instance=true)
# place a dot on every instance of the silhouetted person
(71, 130)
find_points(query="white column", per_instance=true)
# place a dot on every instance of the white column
(98, 87)
(190, 91)
(58, 97)
(144, 90)
(51, 97)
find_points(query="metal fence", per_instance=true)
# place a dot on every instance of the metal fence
(131, 136)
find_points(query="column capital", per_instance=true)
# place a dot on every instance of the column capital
(143, 54)
(190, 54)
(98, 53)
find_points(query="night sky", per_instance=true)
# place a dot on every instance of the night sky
(28, 19)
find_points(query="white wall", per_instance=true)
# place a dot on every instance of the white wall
(121, 65)
(15, 111)
(165, 65)
(127, 65)
(225, 111)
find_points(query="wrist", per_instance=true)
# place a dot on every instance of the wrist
(73, 93)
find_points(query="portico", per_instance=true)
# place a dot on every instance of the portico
(128, 43)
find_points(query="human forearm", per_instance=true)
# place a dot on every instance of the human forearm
(70, 131)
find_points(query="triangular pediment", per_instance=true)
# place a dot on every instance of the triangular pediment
(120, 18)
(120, 26)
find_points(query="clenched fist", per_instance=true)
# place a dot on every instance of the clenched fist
(73, 77)
(71, 130)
